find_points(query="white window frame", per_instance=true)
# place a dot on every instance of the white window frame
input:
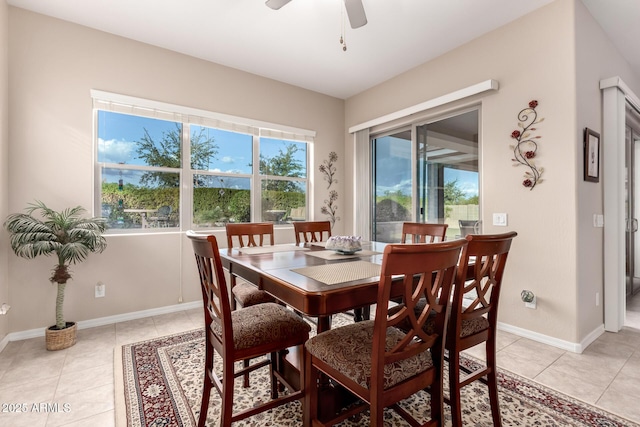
(125, 104)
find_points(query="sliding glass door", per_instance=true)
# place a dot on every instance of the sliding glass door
(427, 173)
(392, 184)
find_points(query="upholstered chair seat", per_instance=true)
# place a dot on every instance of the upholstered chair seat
(277, 325)
(248, 294)
(348, 350)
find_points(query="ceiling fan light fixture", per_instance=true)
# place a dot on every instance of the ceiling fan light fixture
(355, 12)
(276, 4)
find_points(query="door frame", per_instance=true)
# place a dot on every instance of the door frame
(615, 95)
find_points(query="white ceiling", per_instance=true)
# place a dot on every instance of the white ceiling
(299, 44)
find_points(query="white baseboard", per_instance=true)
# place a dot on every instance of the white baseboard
(555, 342)
(4, 342)
(92, 323)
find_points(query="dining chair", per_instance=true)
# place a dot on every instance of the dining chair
(161, 219)
(242, 334)
(376, 361)
(419, 232)
(474, 315)
(311, 231)
(244, 293)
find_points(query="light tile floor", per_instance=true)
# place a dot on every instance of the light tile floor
(80, 379)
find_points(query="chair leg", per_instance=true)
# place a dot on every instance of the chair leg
(437, 399)
(207, 384)
(245, 377)
(204, 405)
(280, 367)
(311, 378)
(376, 415)
(454, 388)
(274, 366)
(492, 382)
(226, 410)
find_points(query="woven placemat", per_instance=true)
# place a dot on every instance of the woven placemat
(332, 274)
(332, 255)
(256, 250)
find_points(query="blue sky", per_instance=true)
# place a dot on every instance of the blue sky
(394, 170)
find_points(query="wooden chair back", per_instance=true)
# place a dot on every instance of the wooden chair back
(311, 231)
(246, 234)
(428, 273)
(474, 314)
(419, 232)
(215, 294)
(479, 278)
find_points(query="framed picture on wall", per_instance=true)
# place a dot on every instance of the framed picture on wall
(591, 155)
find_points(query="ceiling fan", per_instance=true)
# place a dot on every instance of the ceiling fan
(355, 10)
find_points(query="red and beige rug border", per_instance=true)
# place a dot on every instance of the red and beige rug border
(511, 384)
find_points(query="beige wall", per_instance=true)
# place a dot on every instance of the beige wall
(53, 67)
(4, 165)
(596, 59)
(533, 58)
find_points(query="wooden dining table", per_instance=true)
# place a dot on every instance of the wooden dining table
(309, 278)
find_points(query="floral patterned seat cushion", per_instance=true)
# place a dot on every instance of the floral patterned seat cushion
(248, 294)
(264, 324)
(348, 350)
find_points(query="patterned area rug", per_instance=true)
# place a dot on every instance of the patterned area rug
(158, 384)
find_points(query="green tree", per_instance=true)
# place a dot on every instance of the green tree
(453, 195)
(167, 152)
(282, 164)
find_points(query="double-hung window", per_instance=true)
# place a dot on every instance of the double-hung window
(161, 167)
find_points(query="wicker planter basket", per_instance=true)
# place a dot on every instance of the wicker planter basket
(59, 339)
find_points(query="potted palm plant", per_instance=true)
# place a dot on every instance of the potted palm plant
(69, 237)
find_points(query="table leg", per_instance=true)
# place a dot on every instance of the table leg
(324, 323)
(362, 313)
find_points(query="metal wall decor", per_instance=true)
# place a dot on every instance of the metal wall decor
(525, 150)
(328, 169)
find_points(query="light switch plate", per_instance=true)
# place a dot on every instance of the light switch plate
(500, 219)
(598, 220)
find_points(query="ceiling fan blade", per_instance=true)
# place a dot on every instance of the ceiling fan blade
(276, 4)
(355, 12)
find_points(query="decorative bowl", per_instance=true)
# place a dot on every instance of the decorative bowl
(346, 245)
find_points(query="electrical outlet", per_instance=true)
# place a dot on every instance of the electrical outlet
(100, 289)
(531, 304)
